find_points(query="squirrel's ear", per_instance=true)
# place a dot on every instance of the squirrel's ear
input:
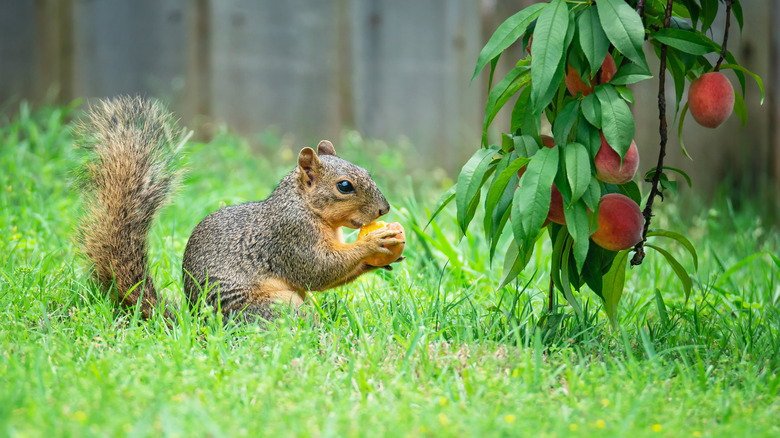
(309, 164)
(326, 148)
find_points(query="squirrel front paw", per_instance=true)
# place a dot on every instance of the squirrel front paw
(386, 245)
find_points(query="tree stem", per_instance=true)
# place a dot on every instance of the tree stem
(725, 35)
(639, 254)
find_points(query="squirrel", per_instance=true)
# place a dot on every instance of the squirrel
(242, 259)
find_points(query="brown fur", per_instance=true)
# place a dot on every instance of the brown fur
(133, 145)
(246, 258)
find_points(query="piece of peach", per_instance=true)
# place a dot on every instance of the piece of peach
(575, 84)
(384, 260)
(711, 99)
(620, 223)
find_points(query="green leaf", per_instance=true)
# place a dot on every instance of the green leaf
(709, 10)
(681, 239)
(547, 50)
(612, 286)
(757, 78)
(521, 114)
(736, 9)
(740, 109)
(469, 182)
(565, 121)
(499, 196)
(593, 40)
(591, 109)
(630, 74)
(532, 198)
(695, 43)
(506, 34)
(624, 29)
(577, 223)
(526, 146)
(680, 129)
(678, 70)
(560, 238)
(617, 122)
(502, 92)
(566, 283)
(631, 189)
(597, 264)
(677, 268)
(588, 135)
(578, 171)
(651, 173)
(692, 8)
(514, 263)
(592, 196)
(625, 93)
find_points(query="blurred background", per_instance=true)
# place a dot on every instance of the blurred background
(394, 70)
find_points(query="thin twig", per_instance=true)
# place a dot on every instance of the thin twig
(725, 35)
(640, 9)
(648, 212)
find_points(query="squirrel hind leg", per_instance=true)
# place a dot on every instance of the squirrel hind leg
(270, 299)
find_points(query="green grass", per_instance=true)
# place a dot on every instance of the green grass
(428, 349)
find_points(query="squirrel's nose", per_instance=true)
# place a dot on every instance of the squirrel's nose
(384, 209)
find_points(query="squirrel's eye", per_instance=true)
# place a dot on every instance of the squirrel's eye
(345, 187)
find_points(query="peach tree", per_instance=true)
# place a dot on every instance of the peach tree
(578, 185)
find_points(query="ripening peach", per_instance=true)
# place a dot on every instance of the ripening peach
(711, 99)
(384, 260)
(608, 166)
(575, 84)
(555, 214)
(620, 223)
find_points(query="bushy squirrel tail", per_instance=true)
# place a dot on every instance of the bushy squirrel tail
(133, 146)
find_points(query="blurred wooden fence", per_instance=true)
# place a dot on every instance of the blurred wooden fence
(389, 68)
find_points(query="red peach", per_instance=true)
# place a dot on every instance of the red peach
(620, 223)
(575, 84)
(711, 99)
(608, 166)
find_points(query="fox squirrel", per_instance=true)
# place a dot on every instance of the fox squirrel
(244, 258)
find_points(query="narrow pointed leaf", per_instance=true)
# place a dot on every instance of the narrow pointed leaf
(624, 29)
(577, 223)
(547, 50)
(612, 286)
(578, 171)
(566, 283)
(592, 39)
(532, 198)
(506, 34)
(565, 121)
(681, 239)
(630, 74)
(617, 122)
(469, 183)
(678, 269)
(695, 43)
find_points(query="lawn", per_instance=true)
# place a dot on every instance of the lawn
(429, 349)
